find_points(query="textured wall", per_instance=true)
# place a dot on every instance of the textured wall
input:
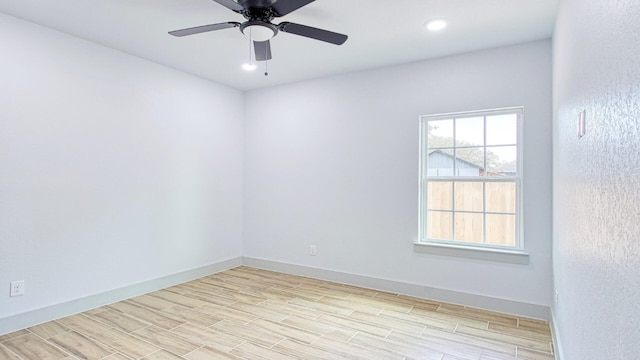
(114, 170)
(597, 179)
(334, 162)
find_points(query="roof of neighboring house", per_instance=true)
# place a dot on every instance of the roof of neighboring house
(456, 158)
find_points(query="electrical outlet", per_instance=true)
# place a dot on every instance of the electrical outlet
(312, 250)
(17, 288)
(556, 298)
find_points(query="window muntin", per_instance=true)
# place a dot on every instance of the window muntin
(470, 178)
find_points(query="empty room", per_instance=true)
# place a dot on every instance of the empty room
(300, 179)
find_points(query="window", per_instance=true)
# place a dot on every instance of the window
(470, 168)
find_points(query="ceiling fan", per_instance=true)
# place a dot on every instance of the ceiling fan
(259, 14)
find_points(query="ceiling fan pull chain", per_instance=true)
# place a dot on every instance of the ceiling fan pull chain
(250, 43)
(266, 68)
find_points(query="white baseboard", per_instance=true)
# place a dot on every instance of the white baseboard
(39, 316)
(449, 296)
(555, 333)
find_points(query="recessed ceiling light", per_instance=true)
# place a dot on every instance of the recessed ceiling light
(248, 67)
(436, 24)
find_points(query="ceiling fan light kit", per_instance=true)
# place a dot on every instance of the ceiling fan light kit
(260, 29)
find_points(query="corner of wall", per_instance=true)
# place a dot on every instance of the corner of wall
(555, 333)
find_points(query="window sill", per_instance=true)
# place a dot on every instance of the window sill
(498, 255)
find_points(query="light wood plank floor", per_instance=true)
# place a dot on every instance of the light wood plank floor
(246, 313)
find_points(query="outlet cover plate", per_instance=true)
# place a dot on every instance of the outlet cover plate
(17, 288)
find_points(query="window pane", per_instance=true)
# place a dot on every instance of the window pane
(502, 160)
(468, 196)
(439, 225)
(439, 195)
(440, 163)
(501, 229)
(501, 197)
(440, 133)
(470, 131)
(502, 129)
(469, 227)
(470, 161)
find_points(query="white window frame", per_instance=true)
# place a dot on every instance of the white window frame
(513, 254)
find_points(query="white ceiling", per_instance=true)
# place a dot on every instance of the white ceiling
(381, 33)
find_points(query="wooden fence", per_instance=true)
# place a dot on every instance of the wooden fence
(466, 201)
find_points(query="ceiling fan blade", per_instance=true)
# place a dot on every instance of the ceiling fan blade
(231, 5)
(203, 28)
(283, 7)
(313, 33)
(262, 50)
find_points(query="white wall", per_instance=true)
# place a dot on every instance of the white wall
(113, 170)
(334, 162)
(117, 171)
(596, 251)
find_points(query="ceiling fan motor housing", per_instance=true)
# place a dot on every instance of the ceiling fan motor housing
(256, 3)
(259, 10)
